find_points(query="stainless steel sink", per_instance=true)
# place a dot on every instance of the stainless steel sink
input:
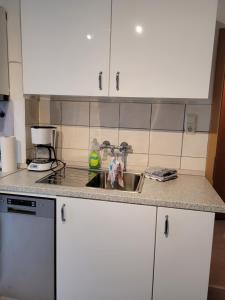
(132, 182)
(77, 177)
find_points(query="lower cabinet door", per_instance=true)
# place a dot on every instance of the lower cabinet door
(105, 250)
(183, 253)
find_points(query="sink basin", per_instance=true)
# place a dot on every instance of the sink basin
(132, 182)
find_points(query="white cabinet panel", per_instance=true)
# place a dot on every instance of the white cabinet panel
(104, 250)
(65, 45)
(12, 8)
(162, 48)
(182, 259)
(4, 64)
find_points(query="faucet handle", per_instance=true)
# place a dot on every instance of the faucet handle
(106, 143)
(124, 147)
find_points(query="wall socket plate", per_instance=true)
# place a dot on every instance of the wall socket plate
(191, 123)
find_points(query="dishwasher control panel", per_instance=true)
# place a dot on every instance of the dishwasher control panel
(21, 202)
(27, 205)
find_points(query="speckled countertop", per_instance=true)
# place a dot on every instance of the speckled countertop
(186, 192)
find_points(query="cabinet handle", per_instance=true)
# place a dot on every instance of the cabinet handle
(100, 81)
(118, 81)
(63, 218)
(166, 229)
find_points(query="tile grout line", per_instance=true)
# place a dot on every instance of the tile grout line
(149, 135)
(182, 142)
(119, 123)
(89, 122)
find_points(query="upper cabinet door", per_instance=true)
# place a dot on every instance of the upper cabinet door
(65, 46)
(4, 64)
(162, 48)
(182, 254)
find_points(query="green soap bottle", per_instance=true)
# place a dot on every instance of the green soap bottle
(94, 156)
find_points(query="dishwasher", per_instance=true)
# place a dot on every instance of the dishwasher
(27, 248)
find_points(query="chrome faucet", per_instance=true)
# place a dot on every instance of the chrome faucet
(123, 148)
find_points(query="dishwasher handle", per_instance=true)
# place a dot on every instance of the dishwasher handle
(20, 211)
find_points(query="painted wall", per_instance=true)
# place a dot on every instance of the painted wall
(15, 121)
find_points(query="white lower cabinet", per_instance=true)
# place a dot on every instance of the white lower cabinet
(182, 255)
(105, 250)
(108, 251)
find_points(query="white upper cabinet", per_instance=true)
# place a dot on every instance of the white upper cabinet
(65, 46)
(182, 254)
(154, 48)
(4, 64)
(162, 48)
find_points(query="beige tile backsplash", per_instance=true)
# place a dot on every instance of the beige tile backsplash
(193, 163)
(32, 117)
(164, 161)
(78, 123)
(138, 139)
(75, 157)
(44, 108)
(104, 134)
(165, 143)
(75, 137)
(195, 145)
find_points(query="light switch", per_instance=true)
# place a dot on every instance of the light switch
(191, 123)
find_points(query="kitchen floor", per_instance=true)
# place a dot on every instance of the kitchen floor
(217, 275)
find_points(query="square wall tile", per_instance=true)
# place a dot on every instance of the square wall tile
(75, 157)
(104, 114)
(137, 139)
(164, 161)
(191, 163)
(59, 153)
(75, 113)
(44, 110)
(32, 111)
(137, 162)
(167, 117)
(28, 137)
(58, 136)
(135, 115)
(195, 145)
(165, 143)
(104, 134)
(203, 113)
(75, 137)
(29, 154)
(55, 112)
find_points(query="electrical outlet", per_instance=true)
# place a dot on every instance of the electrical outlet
(191, 123)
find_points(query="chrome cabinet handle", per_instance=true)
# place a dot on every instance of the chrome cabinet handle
(100, 81)
(63, 218)
(118, 81)
(166, 228)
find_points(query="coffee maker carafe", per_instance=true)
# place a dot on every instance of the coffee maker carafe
(44, 154)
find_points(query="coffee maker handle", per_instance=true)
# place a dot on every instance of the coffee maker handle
(54, 133)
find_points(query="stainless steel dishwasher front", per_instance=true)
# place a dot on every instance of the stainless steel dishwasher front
(27, 248)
